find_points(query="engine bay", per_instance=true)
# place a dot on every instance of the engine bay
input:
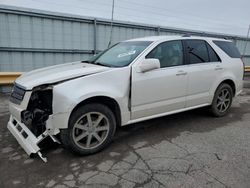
(38, 110)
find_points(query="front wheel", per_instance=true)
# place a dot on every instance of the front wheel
(91, 129)
(222, 100)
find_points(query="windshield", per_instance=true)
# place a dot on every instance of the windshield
(121, 54)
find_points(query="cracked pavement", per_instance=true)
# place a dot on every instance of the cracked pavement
(190, 149)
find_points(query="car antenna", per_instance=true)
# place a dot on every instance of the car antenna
(111, 23)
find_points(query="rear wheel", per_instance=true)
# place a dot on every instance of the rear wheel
(222, 100)
(91, 129)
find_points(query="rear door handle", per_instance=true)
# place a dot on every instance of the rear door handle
(181, 73)
(218, 68)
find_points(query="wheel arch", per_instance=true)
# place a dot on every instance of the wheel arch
(111, 103)
(229, 82)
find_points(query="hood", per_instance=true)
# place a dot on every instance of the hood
(57, 73)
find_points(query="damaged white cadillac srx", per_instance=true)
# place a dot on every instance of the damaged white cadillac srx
(81, 104)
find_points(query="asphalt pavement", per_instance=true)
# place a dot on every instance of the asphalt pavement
(190, 149)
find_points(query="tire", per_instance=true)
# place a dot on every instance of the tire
(91, 129)
(222, 100)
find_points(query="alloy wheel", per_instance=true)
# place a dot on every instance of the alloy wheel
(91, 130)
(223, 100)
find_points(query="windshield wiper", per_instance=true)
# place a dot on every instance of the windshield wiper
(87, 61)
(98, 63)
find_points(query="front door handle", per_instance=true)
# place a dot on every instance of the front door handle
(181, 73)
(218, 68)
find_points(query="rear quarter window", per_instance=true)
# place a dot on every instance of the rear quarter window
(212, 54)
(229, 48)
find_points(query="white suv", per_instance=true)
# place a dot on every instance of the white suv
(80, 104)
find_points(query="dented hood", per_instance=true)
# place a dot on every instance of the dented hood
(58, 73)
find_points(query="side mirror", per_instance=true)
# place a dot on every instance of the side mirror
(149, 64)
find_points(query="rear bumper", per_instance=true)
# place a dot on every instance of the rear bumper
(25, 137)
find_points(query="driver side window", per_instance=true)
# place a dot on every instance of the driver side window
(169, 53)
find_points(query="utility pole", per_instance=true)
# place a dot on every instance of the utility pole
(111, 24)
(244, 51)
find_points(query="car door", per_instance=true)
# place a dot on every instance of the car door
(203, 68)
(161, 90)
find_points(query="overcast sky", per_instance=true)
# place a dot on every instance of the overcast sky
(222, 16)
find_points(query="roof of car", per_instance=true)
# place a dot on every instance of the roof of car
(173, 37)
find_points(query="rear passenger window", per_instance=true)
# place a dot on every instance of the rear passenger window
(229, 48)
(213, 57)
(197, 51)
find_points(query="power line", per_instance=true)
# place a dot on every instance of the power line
(168, 10)
(145, 18)
(165, 15)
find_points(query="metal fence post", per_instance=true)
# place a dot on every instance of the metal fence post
(234, 40)
(95, 39)
(159, 30)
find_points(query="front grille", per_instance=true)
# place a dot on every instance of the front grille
(17, 94)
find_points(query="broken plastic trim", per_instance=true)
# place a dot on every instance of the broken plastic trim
(27, 139)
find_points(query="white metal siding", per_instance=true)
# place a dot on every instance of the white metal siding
(30, 40)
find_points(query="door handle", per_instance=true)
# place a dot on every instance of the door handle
(181, 73)
(218, 68)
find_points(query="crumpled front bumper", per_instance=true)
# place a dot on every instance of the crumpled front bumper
(26, 138)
